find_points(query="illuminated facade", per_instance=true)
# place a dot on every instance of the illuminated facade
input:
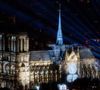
(21, 68)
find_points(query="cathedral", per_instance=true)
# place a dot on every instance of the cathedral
(21, 68)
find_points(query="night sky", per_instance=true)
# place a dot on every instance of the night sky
(39, 18)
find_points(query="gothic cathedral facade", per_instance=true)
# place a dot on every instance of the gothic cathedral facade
(21, 68)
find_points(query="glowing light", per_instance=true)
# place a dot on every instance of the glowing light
(72, 68)
(59, 33)
(71, 78)
(72, 57)
(37, 87)
(24, 76)
(62, 87)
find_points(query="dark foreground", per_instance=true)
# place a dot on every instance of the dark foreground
(79, 84)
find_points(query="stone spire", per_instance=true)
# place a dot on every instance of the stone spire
(59, 40)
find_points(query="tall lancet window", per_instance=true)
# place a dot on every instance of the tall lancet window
(13, 44)
(0, 42)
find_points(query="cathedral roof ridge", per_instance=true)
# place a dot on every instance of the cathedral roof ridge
(41, 50)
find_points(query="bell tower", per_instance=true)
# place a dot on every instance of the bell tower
(23, 59)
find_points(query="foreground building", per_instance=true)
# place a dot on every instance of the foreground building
(21, 68)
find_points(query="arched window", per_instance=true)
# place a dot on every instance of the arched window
(19, 45)
(7, 68)
(3, 84)
(23, 45)
(0, 42)
(12, 69)
(0, 67)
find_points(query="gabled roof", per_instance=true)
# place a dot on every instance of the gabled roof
(41, 55)
(86, 53)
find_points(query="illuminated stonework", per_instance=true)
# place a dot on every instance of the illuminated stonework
(71, 66)
(43, 72)
(79, 63)
(21, 69)
(24, 68)
(20, 66)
